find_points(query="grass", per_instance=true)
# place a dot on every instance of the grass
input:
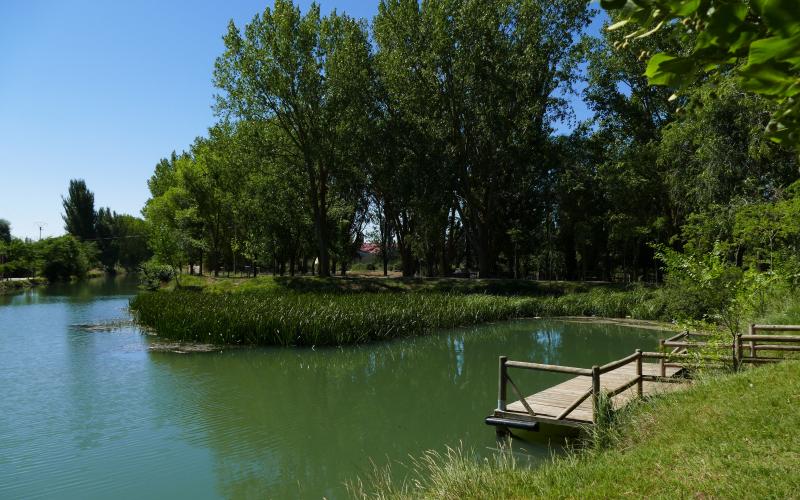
(338, 312)
(732, 436)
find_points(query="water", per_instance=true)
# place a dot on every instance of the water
(94, 414)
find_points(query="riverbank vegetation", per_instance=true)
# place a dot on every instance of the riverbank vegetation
(732, 436)
(99, 239)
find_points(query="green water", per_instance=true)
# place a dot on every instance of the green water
(94, 414)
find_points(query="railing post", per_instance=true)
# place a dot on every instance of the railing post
(640, 382)
(595, 392)
(752, 331)
(501, 385)
(662, 363)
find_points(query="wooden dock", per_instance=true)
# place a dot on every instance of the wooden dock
(575, 402)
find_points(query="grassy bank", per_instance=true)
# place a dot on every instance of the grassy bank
(269, 313)
(733, 436)
(14, 286)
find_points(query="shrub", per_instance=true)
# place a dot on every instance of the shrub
(152, 275)
(65, 258)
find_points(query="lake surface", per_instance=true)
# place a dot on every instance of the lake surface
(94, 414)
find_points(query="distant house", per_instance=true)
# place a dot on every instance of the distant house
(369, 253)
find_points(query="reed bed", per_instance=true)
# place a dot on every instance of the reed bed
(264, 318)
(278, 317)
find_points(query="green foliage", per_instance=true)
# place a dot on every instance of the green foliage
(79, 215)
(65, 258)
(19, 259)
(5, 231)
(764, 34)
(309, 76)
(152, 275)
(708, 287)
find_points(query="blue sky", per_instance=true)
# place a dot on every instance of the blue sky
(102, 90)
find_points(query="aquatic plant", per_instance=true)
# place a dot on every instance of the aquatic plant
(268, 318)
(281, 317)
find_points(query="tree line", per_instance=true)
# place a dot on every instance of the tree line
(432, 132)
(94, 239)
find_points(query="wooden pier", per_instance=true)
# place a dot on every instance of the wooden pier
(575, 402)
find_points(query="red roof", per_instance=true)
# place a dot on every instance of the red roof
(373, 248)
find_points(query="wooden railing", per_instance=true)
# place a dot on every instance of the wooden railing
(758, 343)
(751, 343)
(504, 380)
(679, 356)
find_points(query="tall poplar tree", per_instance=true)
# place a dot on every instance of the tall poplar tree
(310, 74)
(79, 214)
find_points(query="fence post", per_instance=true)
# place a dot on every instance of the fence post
(752, 331)
(595, 392)
(501, 385)
(639, 383)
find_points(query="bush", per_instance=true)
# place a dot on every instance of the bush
(153, 275)
(65, 258)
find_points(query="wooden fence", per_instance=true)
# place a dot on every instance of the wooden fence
(743, 348)
(677, 352)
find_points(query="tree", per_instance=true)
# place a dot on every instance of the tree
(716, 152)
(65, 258)
(764, 35)
(130, 241)
(5, 231)
(480, 80)
(106, 234)
(79, 215)
(310, 75)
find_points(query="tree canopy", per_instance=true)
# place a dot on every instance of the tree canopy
(431, 139)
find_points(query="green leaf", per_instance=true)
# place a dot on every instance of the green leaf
(782, 16)
(768, 79)
(775, 48)
(685, 9)
(663, 69)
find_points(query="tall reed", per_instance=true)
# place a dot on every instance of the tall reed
(270, 317)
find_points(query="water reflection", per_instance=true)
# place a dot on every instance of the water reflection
(94, 414)
(300, 422)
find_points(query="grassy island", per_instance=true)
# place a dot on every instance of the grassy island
(334, 311)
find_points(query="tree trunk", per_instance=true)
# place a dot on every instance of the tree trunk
(406, 260)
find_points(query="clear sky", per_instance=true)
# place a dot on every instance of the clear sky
(101, 90)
